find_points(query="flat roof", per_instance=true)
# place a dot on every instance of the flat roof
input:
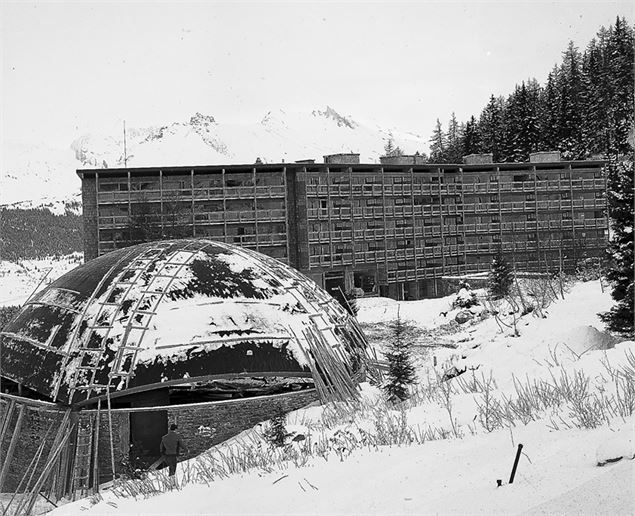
(353, 166)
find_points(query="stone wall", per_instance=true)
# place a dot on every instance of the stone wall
(202, 426)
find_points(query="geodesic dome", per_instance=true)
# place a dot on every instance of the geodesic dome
(178, 312)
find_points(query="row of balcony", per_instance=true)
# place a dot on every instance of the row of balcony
(449, 270)
(390, 255)
(229, 192)
(377, 190)
(263, 239)
(216, 217)
(459, 229)
(455, 209)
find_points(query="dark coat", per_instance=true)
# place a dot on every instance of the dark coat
(172, 444)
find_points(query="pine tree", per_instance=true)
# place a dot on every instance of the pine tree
(276, 433)
(619, 85)
(592, 115)
(491, 128)
(391, 150)
(471, 137)
(454, 151)
(501, 277)
(571, 104)
(620, 200)
(401, 371)
(549, 109)
(438, 145)
(522, 133)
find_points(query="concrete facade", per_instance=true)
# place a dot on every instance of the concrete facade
(392, 229)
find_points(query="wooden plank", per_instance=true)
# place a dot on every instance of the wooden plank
(5, 424)
(59, 443)
(14, 441)
(96, 449)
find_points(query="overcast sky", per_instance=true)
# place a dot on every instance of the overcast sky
(73, 67)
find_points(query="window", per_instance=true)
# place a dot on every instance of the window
(566, 215)
(532, 236)
(493, 179)
(531, 216)
(564, 175)
(530, 197)
(565, 195)
(493, 198)
(599, 195)
(323, 204)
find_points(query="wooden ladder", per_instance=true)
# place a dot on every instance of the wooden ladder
(83, 462)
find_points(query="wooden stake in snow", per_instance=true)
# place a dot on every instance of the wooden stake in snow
(511, 478)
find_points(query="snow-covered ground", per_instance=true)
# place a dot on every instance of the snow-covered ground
(446, 448)
(19, 280)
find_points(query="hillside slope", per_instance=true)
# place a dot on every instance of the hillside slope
(442, 451)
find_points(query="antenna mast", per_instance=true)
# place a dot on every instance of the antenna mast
(125, 154)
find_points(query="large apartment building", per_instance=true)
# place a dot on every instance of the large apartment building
(395, 229)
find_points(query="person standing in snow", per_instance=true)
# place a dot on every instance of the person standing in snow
(171, 445)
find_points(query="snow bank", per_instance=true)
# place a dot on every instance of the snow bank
(558, 471)
(440, 477)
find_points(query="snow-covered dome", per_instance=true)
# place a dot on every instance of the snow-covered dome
(177, 312)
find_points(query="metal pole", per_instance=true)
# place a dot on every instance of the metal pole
(511, 478)
(125, 151)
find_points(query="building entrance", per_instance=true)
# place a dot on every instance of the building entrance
(146, 430)
(334, 284)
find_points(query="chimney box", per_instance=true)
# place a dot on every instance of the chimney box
(544, 157)
(342, 159)
(478, 159)
(404, 159)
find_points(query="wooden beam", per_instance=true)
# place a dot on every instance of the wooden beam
(194, 379)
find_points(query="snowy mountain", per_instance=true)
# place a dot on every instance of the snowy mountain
(45, 175)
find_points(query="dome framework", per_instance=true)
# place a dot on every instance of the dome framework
(179, 312)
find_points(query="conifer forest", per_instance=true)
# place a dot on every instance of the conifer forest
(584, 109)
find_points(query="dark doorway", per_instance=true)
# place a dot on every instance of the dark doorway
(334, 285)
(146, 430)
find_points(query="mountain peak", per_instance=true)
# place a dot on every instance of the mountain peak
(341, 120)
(200, 119)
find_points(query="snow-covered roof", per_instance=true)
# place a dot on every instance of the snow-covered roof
(175, 312)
